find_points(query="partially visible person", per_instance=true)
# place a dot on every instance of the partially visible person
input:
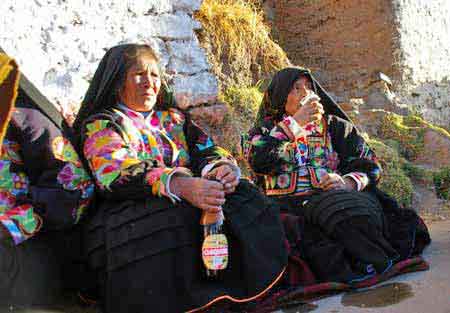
(44, 193)
(311, 159)
(157, 172)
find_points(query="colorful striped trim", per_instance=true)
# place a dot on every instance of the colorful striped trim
(14, 231)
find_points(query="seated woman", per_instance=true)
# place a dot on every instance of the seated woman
(156, 172)
(308, 156)
(44, 193)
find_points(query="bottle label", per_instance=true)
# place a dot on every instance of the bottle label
(215, 252)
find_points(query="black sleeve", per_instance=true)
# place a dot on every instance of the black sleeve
(354, 153)
(270, 154)
(202, 149)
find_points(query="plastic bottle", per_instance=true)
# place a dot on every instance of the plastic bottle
(215, 244)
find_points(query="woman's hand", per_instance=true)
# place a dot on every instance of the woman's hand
(310, 112)
(202, 193)
(334, 181)
(227, 175)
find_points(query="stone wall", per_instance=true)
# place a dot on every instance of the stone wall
(344, 42)
(59, 43)
(349, 42)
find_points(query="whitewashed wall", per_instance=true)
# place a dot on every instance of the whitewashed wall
(424, 45)
(59, 43)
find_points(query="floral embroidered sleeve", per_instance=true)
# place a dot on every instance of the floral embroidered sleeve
(120, 170)
(203, 152)
(357, 160)
(16, 214)
(272, 149)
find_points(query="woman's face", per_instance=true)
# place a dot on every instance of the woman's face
(301, 88)
(142, 84)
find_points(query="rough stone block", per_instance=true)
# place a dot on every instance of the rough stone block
(436, 152)
(195, 90)
(149, 6)
(186, 58)
(187, 5)
(172, 26)
(212, 115)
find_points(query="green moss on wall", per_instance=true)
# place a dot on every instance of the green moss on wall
(394, 180)
(409, 132)
(441, 181)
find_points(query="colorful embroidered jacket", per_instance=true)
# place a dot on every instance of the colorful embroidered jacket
(290, 160)
(132, 155)
(42, 182)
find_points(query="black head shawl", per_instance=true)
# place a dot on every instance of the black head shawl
(102, 91)
(272, 107)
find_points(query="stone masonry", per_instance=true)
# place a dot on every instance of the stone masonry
(347, 43)
(59, 43)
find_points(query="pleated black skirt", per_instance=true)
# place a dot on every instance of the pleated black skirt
(147, 254)
(345, 236)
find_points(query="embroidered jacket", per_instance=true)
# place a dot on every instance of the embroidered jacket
(133, 155)
(42, 181)
(290, 160)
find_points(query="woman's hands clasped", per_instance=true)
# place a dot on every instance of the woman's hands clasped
(227, 175)
(333, 181)
(206, 193)
(202, 193)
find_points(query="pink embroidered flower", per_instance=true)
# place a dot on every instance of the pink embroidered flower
(154, 175)
(310, 127)
(154, 121)
(287, 122)
(7, 200)
(102, 142)
(65, 176)
(283, 181)
(302, 140)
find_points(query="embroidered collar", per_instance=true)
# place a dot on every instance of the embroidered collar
(149, 119)
(135, 114)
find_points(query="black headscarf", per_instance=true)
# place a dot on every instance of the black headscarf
(106, 83)
(273, 105)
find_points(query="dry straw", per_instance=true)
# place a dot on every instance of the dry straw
(238, 33)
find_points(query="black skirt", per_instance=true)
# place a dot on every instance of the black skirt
(345, 236)
(147, 253)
